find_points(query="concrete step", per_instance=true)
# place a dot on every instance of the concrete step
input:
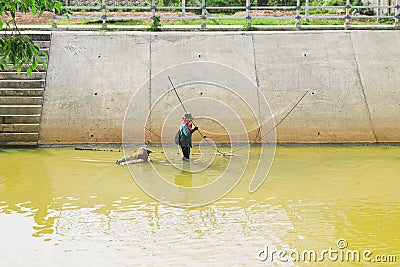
(18, 144)
(21, 91)
(18, 137)
(10, 68)
(42, 52)
(22, 119)
(21, 100)
(12, 75)
(40, 36)
(22, 83)
(42, 57)
(42, 44)
(20, 109)
(20, 128)
(35, 36)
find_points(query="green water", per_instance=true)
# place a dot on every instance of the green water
(60, 207)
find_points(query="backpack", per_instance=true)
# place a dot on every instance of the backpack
(177, 138)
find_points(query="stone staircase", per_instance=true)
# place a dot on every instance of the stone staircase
(21, 100)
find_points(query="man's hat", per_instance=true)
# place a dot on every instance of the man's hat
(187, 116)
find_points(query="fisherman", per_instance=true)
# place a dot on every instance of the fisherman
(185, 135)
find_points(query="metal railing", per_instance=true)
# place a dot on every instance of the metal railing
(202, 12)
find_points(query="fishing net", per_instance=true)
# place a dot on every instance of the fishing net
(232, 115)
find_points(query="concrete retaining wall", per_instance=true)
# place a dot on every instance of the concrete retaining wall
(353, 78)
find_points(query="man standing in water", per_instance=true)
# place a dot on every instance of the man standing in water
(185, 135)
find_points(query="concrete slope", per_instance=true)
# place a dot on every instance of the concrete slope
(351, 77)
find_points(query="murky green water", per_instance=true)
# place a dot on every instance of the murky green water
(60, 207)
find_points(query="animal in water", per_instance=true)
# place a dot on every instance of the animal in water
(141, 155)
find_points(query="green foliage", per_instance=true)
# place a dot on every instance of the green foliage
(225, 2)
(365, 11)
(36, 7)
(155, 26)
(326, 22)
(247, 28)
(335, 3)
(18, 49)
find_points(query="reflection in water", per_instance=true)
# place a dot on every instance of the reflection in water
(87, 207)
(184, 179)
(22, 192)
